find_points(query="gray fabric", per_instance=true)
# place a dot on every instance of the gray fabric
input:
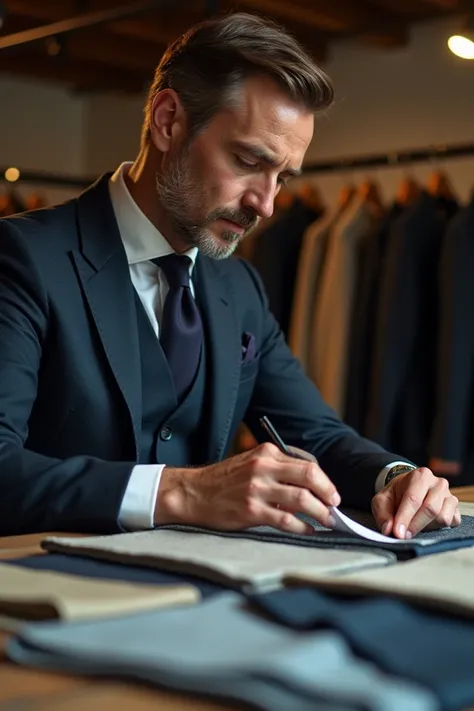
(442, 539)
(234, 561)
(217, 648)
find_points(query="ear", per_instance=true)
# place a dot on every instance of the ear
(167, 121)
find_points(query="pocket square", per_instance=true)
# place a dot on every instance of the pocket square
(248, 348)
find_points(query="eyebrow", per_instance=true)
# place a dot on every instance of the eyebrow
(262, 154)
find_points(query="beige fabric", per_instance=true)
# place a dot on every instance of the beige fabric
(38, 594)
(442, 581)
(309, 261)
(330, 329)
(234, 561)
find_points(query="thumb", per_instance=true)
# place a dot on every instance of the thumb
(383, 510)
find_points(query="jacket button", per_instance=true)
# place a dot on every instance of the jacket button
(165, 434)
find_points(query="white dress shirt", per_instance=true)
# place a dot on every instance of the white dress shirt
(142, 242)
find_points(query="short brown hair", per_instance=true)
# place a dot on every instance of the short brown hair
(212, 59)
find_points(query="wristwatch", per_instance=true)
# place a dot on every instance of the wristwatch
(397, 470)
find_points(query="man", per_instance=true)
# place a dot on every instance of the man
(131, 348)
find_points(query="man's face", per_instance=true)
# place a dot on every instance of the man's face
(217, 188)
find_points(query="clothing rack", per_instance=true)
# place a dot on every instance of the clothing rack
(391, 159)
(431, 153)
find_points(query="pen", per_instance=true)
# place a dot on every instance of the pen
(275, 437)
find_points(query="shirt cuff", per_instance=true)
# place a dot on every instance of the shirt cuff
(380, 481)
(137, 511)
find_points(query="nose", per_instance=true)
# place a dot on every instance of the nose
(261, 199)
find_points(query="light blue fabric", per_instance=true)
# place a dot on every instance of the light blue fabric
(221, 648)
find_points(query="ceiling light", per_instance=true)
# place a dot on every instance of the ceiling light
(12, 175)
(461, 43)
(461, 46)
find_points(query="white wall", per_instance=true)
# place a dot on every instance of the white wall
(113, 131)
(41, 128)
(398, 99)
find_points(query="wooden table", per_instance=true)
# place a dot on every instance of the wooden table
(23, 689)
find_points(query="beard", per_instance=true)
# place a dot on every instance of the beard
(182, 195)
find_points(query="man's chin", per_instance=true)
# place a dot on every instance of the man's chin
(218, 246)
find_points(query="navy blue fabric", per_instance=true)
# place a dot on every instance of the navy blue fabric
(172, 432)
(435, 650)
(89, 568)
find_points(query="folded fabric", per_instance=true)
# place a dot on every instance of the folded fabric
(431, 649)
(104, 570)
(222, 649)
(236, 561)
(35, 595)
(425, 543)
(444, 581)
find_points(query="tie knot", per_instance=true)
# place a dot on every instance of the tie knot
(176, 269)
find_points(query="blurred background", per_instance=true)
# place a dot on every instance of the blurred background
(378, 314)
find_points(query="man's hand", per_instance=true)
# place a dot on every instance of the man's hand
(413, 501)
(256, 488)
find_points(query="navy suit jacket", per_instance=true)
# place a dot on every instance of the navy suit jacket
(70, 396)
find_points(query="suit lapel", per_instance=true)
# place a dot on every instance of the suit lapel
(219, 318)
(103, 270)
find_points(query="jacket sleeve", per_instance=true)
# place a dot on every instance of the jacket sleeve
(296, 408)
(39, 493)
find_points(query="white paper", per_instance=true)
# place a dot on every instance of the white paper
(347, 525)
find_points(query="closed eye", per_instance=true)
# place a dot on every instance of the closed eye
(252, 166)
(245, 163)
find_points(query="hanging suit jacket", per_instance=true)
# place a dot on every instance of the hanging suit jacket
(451, 435)
(401, 398)
(71, 414)
(361, 339)
(308, 276)
(275, 256)
(330, 331)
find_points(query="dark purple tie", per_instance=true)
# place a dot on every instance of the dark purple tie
(181, 325)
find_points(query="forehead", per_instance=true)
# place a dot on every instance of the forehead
(264, 113)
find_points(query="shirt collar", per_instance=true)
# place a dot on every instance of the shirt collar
(141, 239)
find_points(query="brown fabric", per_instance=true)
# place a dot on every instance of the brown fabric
(39, 595)
(310, 264)
(330, 329)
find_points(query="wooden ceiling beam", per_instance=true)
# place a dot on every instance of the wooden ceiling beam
(82, 75)
(327, 15)
(449, 5)
(409, 8)
(95, 45)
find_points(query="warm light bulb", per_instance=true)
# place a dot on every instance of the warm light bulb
(461, 46)
(12, 174)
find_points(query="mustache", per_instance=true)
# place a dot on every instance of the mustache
(247, 220)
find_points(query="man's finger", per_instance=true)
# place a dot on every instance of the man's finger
(427, 511)
(448, 516)
(410, 504)
(296, 499)
(383, 510)
(308, 475)
(285, 521)
(457, 517)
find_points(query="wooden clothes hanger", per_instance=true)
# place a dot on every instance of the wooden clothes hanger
(346, 195)
(369, 192)
(285, 199)
(408, 191)
(439, 185)
(310, 196)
